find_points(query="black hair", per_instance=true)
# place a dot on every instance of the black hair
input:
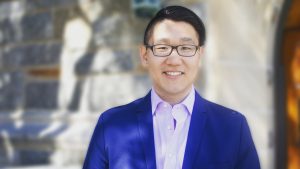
(176, 13)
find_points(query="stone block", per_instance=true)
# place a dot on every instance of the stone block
(34, 157)
(3, 159)
(37, 26)
(108, 33)
(33, 5)
(7, 32)
(110, 8)
(12, 57)
(11, 90)
(1, 57)
(27, 28)
(114, 30)
(105, 60)
(32, 55)
(41, 95)
(60, 140)
(4, 10)
(42, 54)
(107, 91)
(12, 9)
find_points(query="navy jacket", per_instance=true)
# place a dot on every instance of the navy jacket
(218, 138)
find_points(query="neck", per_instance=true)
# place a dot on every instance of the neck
(173, 98)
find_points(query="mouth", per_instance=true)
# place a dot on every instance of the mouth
(173, 73)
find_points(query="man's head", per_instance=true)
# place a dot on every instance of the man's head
(172, 50)
(176, 13)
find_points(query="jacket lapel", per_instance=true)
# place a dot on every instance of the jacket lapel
(145, 126)
(195, 133)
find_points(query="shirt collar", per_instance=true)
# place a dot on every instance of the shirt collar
(188, 102)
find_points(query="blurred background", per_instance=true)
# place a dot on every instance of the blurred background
(63, 62)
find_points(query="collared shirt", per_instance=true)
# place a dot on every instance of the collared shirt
(171, 125)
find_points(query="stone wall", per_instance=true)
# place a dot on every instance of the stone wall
(62, 63)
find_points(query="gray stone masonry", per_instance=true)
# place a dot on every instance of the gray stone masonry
(11, 90)
(35, 129)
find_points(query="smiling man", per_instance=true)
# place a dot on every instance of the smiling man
(172, 127)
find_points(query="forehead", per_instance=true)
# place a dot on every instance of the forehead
(174, 32)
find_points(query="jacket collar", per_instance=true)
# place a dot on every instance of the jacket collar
(145, 126)
(196, 131)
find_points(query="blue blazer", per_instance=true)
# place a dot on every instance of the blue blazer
(218, 138)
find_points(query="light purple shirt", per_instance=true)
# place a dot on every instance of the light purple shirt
(171, 125)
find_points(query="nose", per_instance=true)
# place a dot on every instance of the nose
(174, 59)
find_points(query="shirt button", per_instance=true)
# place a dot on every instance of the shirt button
(169, 127)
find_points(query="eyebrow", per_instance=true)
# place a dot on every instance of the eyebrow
(186, 39)
(163, 40)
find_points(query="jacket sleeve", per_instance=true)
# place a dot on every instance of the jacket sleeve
(96, 157)
(247, 155)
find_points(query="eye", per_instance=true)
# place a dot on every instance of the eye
(186, 48)
(161, 48)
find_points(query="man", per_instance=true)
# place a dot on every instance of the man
(172, 127)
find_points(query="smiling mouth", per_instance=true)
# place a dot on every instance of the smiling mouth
(173, 73)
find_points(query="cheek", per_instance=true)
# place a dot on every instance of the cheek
(154, 70)
(193, 65)
(154, 65)
(193, 69)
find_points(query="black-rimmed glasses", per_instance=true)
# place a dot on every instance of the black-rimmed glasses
(165, 50)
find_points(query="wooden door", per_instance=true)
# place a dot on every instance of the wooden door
(291, 59)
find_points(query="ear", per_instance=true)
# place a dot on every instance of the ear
(200, 53)
(143, 56)
(201, 50)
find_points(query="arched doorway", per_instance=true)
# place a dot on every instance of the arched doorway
(287, 66)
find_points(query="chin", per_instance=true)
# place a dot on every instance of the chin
(174, 90)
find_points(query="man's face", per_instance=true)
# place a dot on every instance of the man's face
(173, 75)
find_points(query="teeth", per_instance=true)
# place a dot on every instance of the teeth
(173, 73)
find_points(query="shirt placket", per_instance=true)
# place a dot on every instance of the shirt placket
(175, 142)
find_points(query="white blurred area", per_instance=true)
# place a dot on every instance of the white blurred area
(239, 65)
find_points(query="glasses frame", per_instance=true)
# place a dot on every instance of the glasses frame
(173, 47)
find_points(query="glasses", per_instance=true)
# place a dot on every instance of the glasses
(166, 50)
